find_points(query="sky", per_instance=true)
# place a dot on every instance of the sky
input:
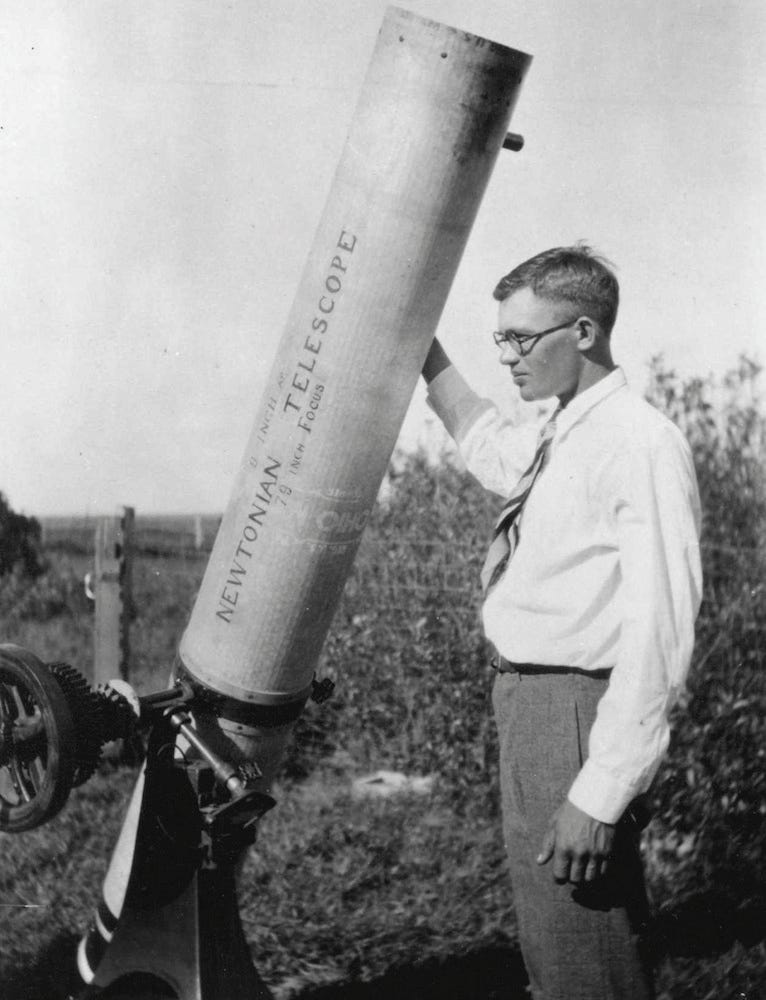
(163, 168)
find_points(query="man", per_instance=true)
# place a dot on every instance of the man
(592, 585)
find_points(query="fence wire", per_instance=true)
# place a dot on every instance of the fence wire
(404, 571)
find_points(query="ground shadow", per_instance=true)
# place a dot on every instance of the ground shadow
(706, 924)
(486, 974)
(52, 977)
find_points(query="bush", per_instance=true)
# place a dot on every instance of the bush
(406, 645)
(55, 591)
(19, 542)
(711, 793)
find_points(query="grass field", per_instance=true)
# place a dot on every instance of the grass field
(408, 897)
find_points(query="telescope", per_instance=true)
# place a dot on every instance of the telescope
(432, 117)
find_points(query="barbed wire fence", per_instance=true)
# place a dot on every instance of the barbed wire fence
(406, 572)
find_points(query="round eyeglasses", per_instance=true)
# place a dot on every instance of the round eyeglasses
(523, 343)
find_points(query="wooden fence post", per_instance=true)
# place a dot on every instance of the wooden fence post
(199, 536)
(113, 579)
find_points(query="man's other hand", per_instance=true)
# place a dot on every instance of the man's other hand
(579, 845)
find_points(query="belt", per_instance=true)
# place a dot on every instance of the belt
(503, 666)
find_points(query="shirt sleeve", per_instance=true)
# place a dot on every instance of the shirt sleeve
(654, 507)
(496, 450)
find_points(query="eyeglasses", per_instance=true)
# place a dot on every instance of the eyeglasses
(523, 343)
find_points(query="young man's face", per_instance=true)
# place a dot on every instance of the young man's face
(550, 366)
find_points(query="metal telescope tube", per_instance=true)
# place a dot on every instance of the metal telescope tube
(431, 119)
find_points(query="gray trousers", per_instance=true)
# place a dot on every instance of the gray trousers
(577, 943)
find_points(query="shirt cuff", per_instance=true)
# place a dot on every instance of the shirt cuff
(599, 794)
(455, 402)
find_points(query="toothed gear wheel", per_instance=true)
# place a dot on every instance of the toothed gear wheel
(119, 716)
(86, 708)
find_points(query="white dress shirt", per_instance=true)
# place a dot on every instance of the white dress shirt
(606, 572)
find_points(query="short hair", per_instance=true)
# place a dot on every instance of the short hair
(568, 274)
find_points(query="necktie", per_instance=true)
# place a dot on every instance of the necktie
(506, 535)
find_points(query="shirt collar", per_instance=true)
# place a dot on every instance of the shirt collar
(585, 401)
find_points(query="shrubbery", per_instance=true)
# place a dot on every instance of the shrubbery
(30, 589)
(711, 796)
(56, 590)
(19, 542)
(406, 645)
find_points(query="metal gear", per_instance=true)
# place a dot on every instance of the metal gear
(86, 707)
(119, 715)
(37, 742)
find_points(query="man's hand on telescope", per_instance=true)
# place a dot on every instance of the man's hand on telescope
(436, 361)
(579, 845)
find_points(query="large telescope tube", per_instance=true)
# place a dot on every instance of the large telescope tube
(432, 116)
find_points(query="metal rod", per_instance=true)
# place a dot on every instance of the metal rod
(224, 772)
